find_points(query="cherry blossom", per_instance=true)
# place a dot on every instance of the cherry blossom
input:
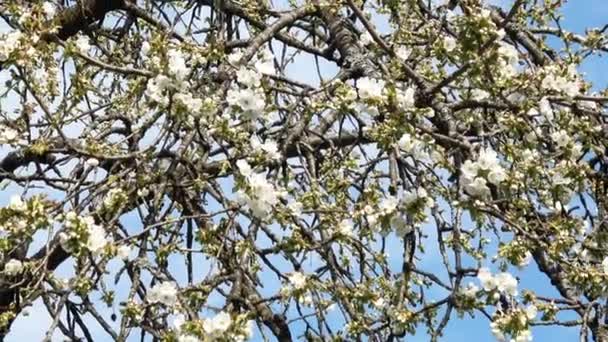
(13, 267)
(164, 293)
(370, 88)
(189, 172)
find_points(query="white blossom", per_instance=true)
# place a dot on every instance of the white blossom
(479, 95)
(506, 283)
(561, 138)
(366, 111)
(262, 195)
(8, 43)
(143, 192)
(64, 239)
(218, 324)
(247, 331)
(379, 303)
(471, 290)
(244, 167)
(145, 49)
(486, 279)
(269, 147)
(177, 65)
(544, 107)
(295, 208)
(297, 280)
(498, 334)
(508, 52)
(500, 34)
(449, 43)
(388, 205)
(523, 336)
(370, 88)
(469, 169)
(345, 227)
(265, 67)
(410, 197)
(16, 203)
(97, 239)
(477, 187)
(412, 146)
(13, 267)
(49, 9)
(400, 225)
(570, 85)
(193, 105)
(7, 134)
(402, 53)
(250, 101)
(164, 293)
(531, 312)
(559, 178)
(526, 260)
(305, 300)
(123, 252)
(605, 265)
(114, 197)
(487, 159)
(576, 151)
(372, 219)
(187, 338)
(24, 18)
(92, 162)
(82, 44)
(265, 63)
(497, 175)
(405, 98)
(235, 57)
(450, 16)
(156, 87)
(248, 77)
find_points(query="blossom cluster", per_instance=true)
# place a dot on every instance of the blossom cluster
(399, 213)
(326, 174)
(474, 175)
(114, 198)
(13, 267)
(566, 83)
(7, 134)
(502, 282)
(297, 287)
(515, 322)
(9, 42)
(221, 327)
(21, 219)
(214, 328)
(173, 83)
(164, 293)
(507, 63)
(83, 233)
(267, 149)
(261, 195)
(247, 97)
(413, 146)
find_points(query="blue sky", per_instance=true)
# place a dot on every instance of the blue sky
(578, 15)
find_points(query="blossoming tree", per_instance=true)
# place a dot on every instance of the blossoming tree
(222, 170)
